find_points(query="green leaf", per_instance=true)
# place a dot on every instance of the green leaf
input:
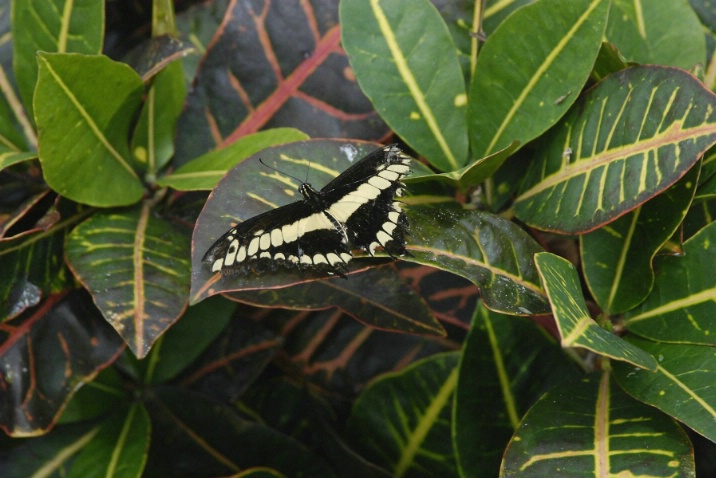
(656, 32)
(52, 26)
(630, 138)
(83, 131)
(9, 158)
(590, 427)
(377, 297)
(521, 86)
(576, 327)
(681, 306)
(189, 337)
(204, 172)
(616, 259)
(471, 175)
(682, 386)
(405, 62)
(136, 268)
(153, 139)
(119, 449)
(493, 253)
(401, 422)
(500, 378)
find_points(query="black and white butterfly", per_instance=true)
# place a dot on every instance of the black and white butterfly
(356, 210)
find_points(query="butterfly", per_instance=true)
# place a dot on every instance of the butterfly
(356, 210)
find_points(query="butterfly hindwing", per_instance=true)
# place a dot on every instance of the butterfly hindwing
(356, 210)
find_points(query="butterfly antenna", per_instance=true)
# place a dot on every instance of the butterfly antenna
(281, 172)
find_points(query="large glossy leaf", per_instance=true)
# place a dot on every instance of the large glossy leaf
(83, 131)
(493, 253)
(682, 386)
(135, 266)
(402, 421)
(506, 365)
(630, 138)
(119, 449)
(656, 32)
(681, 307)
(514, 94)
(205, 171)
(45, 355)
(196, 433)
(404, 59)
(52, 26)
(590, 427)
(616, 259)
(376, 297)
(250, 189)
(576, 327)
(32, 260)
(274, 65)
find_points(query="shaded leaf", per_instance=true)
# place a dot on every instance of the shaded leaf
(134, 265)
(402, 421)
(500, 378)
(493, 253)
(576, 327)
(656, 32)
(617, 258)
(521, 98)
(376, 297)
(52, 26)
(157, 53)
(682, 386)
(404, 59)
(589, 426)
(195, 433)
(9, 158)
(205, 171)
(631, 137)
(119, 449)
(681, 306)
(45, 355)
(278, 66)
(83, 131)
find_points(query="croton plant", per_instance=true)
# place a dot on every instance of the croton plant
(554, 313)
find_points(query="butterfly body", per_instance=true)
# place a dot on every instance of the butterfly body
(356, 210)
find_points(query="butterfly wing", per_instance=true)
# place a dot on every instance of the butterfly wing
(363, 199)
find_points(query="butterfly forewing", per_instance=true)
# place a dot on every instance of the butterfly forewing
(356, 210)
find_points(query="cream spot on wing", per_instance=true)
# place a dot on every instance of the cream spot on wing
(305, 259)
(217, 265)
(346, 257)
(383, 238)
(399, 168)
(366, 191)
(371, 248)
(265, 254)
(265, 241)
(397, 207)
(279, 257)
(314, 222)
(276, 237)
(231, 253)
(241, 255)
(333, 258)
(379, 182)
(320, 259)
(389, 227)
(389, 175)
(290, 232)
(293, 259)
(258, 233)
(253, 246)
(394, 216)
(342, 210)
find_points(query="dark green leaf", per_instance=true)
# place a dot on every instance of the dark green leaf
(522, 86)
(627, 140)
(404, 59)
(590, 427)
(576, 327)
(136, 267)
